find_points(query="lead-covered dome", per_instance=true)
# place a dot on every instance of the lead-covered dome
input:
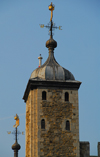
(51, 70)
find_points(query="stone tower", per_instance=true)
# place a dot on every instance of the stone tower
(52, 114)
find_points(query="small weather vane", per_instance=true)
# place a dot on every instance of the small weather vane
(51, 24)
(17, 121)
(15, 126)
(16, 147)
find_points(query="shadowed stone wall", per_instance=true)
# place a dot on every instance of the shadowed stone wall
(85, 149)
(99, 149)
(32, 125)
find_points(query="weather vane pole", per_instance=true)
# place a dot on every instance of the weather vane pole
(16, 146)
(51, 25)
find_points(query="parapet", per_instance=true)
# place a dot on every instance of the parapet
(85, 149)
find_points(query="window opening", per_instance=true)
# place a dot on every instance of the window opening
(42, 124)
(66, 96)
(43, 95)
(67, 125)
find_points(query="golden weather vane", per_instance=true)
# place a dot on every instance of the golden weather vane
(15, 126)
(51, 25)
(17, 121)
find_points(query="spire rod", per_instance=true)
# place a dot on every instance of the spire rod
(51, 30)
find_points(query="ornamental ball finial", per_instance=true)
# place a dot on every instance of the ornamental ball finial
(51, 8)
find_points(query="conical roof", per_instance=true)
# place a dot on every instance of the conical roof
(51, 70)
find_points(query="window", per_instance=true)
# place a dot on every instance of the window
(66, 96)
(42, 124)
(43, 95)
(67, 125)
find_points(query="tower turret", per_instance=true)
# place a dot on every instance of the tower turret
(52, 118)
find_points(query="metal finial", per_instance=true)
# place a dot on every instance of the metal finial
(51, 8)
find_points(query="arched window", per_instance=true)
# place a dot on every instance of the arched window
(43, 95)
(66, 96)
(67, 125)
(42, 124)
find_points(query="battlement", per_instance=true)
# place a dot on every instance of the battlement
(85, 149)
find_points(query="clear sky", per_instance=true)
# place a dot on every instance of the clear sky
(78, 50)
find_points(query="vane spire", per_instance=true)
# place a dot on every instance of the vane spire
(16, 146)
(51, 24)
(51, 8)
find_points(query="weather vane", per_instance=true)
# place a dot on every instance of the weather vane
(17, 121)
(16, 146)
(15, 126)
(51, 24)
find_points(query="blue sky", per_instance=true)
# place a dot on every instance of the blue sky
(78, 50)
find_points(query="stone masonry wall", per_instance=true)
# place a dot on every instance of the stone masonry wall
(27, 132)
(99, 149)
(32, 125)
(55, 140)
(84, 149)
